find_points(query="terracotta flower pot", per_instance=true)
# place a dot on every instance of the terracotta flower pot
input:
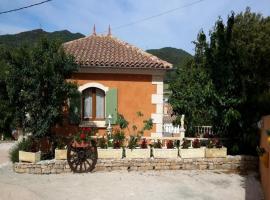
(82, 144)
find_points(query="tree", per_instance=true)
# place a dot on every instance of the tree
(236, 62)
(37, 85)
(6, 108)
(192, 91)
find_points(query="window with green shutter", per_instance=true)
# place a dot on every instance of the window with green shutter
(111, 104)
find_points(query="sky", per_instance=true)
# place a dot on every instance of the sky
(175, 29)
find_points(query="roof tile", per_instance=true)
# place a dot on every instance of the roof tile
(108, 51)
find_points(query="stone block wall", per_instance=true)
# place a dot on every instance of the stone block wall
(230, 163)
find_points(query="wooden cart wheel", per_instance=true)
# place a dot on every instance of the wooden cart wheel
(82, 159)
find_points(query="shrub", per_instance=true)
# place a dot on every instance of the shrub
(185, 144)
(196, 143)
(133, 142)
(214, 143)
(144, 144)
(118, 139)
(24, 145)
(157, 145)
(60, 142)
(102, 143)
(177, 144)
(170, 144)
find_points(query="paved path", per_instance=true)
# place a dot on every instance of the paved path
(4, 148)
(187, 185)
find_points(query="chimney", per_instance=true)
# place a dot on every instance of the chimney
(109, 31)
(94, 30)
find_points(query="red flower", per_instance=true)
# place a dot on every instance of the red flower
(83, 136)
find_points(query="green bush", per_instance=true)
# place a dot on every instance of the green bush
(23, 145)
(133, 142)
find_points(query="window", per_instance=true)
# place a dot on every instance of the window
(93, 102)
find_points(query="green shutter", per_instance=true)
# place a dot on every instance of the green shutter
(75, 108)
(111, 104)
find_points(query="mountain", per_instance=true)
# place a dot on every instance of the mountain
(31, 37)
(177, 57)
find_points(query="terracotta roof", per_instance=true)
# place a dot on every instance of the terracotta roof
(108, 51)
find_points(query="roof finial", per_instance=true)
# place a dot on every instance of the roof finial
(109, 31)
(94, 30)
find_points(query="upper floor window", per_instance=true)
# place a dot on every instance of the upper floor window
(93, 104)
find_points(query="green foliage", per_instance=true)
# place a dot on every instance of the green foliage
(157, 144)
(121, 121)
(185, 144)
(148, 124)
(6, 108)
(74, 113)
(133, 142)
(227, 83)
(124, 124)
(214, 143)
(118, 139)
(102, 143)
(37, 85)
(192, 91)
(60, 142)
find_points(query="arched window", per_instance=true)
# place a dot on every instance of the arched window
(93, 104)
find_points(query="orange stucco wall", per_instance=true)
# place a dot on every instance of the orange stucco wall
(134, 94)
(265, 171)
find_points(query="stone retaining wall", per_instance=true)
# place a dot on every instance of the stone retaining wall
(235, 163)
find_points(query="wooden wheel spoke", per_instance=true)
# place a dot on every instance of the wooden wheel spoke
(81, 159)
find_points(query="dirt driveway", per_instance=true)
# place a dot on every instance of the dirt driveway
(157, 185)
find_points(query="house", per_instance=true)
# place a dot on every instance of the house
(116, 77)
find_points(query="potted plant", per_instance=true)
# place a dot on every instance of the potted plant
(111, 146)
(196, 151)
(215, 149)
(84, 137)
(133, 150)
(60, 153)
(170, 151)
(263, 155)
(31, 151)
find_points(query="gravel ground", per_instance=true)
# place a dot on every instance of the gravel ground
(188, 185)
